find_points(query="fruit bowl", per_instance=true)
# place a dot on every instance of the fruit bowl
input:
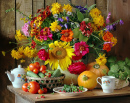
(58, 90)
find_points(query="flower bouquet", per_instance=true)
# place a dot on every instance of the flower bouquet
(60, 37)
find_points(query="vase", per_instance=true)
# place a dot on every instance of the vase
(69, 78)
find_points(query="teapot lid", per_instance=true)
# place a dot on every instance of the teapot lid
(19, 69)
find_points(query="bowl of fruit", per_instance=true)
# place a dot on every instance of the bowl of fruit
(70, 90)
(47, 78)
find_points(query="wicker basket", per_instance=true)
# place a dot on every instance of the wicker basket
(121, 83)
(49, 83)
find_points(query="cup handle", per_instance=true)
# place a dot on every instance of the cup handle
(99, 82)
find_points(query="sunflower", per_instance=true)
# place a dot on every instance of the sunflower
(60, 53)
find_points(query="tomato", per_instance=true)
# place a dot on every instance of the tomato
(25, 87)
(48, 74)
(37, 65)
(44, 90)
(35, 70)
(33, 87)
(44, 71)
(31, 66)
(42, 68)
(40, 91)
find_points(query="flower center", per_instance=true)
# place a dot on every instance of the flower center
(81, 48)
(45, 33)
(59, 53)
(66, 34)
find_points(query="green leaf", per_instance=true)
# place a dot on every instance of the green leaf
(86, 6)
(76, 32)
(114, 68)
(91, 7)
(127, 60)
(83, 38)
(91, 45)
(81, 88)
(123, 75)
(112, 63)
(110, 73)
(80, 16)
(127, 69)
(86, 20)
(121, 64)
(111, 59)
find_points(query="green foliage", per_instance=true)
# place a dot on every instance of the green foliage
(91, 7)
(119, 68)
(72, 88)
(80, 16)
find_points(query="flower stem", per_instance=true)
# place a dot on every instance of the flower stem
(96, 37)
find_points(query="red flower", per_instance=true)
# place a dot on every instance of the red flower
(77, 68)
(43, 55)
(33, 44)
(107, 47)
(77, 57)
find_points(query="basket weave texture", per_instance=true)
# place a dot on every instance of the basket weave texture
(121, 83)
(49, 83)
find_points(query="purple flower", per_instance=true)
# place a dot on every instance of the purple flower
(107, 19)
(82, 9)
(61, 25)
(121, 22)
(66, 26)
(111, 27)
(67, 18)
(60, 19)
(109, 43)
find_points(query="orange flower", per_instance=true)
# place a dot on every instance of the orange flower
(107, 47)
(67, 35)
(108, 36)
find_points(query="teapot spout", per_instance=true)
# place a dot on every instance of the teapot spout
(10, 76)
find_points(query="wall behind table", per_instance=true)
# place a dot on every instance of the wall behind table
(121, 9)
(11, 21)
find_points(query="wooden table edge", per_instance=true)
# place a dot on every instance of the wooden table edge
(68, 99)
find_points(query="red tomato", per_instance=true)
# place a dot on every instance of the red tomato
(44, 71)
(44, 90)
(33, 87)
(40, 91)
(25, 87)
(42, 68)
(31, 66)
(37, 65)
(35, 70)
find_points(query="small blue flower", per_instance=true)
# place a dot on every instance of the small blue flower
(66, 26)
(60, 19)
(82, 9)
(61, 25)
(121, 22)
(67, 18)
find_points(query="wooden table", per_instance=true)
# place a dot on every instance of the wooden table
(94, 96)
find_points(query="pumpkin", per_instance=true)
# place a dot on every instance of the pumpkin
(87, 79)
(99, 70)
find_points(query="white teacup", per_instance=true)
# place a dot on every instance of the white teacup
(108, 83)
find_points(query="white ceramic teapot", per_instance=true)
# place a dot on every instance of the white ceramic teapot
(17, 76)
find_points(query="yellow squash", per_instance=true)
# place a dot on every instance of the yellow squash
(87, 79)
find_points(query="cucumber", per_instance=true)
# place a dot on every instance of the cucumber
(57, 73)
(41, 75)
(31, 74)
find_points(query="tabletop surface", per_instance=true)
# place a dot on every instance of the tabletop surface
(95, 93)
